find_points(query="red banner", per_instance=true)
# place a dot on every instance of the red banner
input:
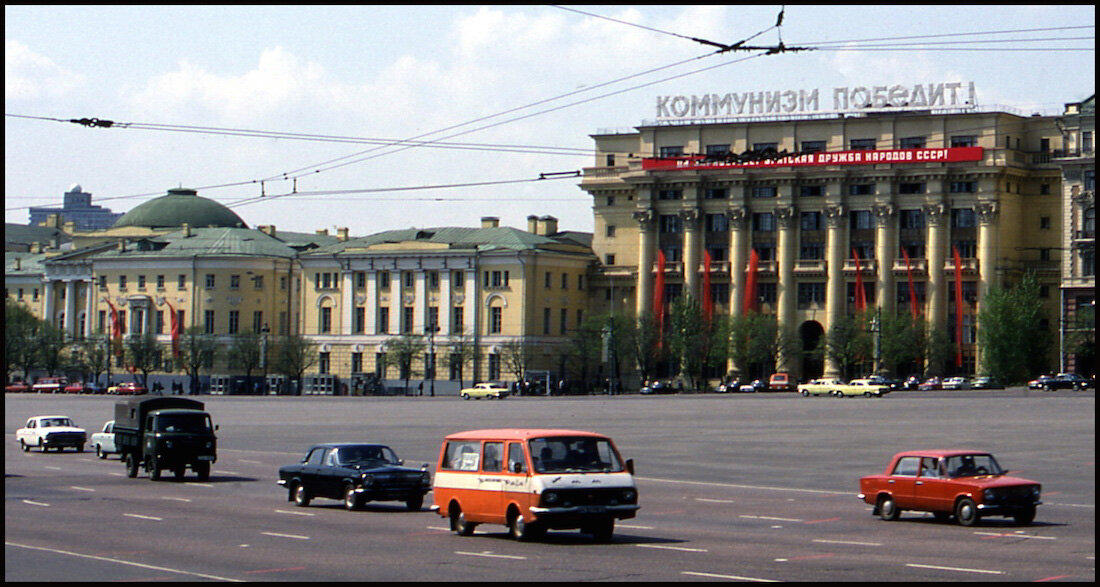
(175, 330)
(862, 157)
(913, 308)
(861, 294)
(750, 283)
(116, 326)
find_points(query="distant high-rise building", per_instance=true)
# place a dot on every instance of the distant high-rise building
(77, 207)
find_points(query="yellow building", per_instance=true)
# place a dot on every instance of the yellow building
(808, 194)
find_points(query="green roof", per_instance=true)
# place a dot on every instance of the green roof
(181, 206)
(498, 237)
(205, 242)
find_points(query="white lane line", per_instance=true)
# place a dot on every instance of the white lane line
(277, 535)
(183, 499)
(122, 562)
(854, 542)
(294, 513)
(37, 503)
(665, 547)
(706, 500)
(81, 488)
(1015, 535)
(960, 569)
(632, 527)
(489, 554)
(730, 577)
(141, 517)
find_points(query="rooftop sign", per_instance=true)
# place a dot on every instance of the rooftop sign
(844, 99)
(868, 157)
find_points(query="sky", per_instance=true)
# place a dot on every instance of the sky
(289, 114)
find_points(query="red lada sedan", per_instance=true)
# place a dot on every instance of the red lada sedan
(966, 484)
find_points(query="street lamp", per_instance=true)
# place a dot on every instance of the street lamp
(263, 356)
(430, 331)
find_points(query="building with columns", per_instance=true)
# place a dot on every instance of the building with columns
(819, 203)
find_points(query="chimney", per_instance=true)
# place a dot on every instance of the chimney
(268, 229)
(490, 222)
(548, 225)
(533, 224)
(36, 247)
(322, 231)
(186, 230)
(342, 234)
(70, 227)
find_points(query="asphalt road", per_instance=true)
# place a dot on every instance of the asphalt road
(753, 487)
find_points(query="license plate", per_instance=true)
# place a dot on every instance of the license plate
(206, 458)
(593, 509)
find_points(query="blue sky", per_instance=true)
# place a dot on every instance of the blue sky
(398, 72)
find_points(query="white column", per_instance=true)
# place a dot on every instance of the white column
(347, 303)
(70, 309)
(371, 306)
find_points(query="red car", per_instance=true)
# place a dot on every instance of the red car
(126, 388)
(78, 387)
(17, 387)
(966, 484)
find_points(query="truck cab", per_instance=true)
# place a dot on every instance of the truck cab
(165, 434)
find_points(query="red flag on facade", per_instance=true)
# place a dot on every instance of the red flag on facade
(708, 301)
(175, 330)
(750, 282)
(659, 290)
(958, 308)
(116, 325)
(914, 309)
(861, 294)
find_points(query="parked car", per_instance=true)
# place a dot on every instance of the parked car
(46, 432)
(50, 384)
(912, 383)
(986, 383)
(728, 386)
(753, 387)
(967, 484)
(781, 382)
(78, 387)
(658, 387)
(1066, 381)
(104, 441)
(485, 390)
(956, 383)
(820, 387)
(932, 383)
(1039, 382)
(17, 387)
(126, 388)
(866, 387)
(356, 474)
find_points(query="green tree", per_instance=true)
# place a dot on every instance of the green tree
(688, 338)
(196, 350)
(463, 351)
(1080, 340)
(1011, 337)
(848, 344)
(294, 354)
(642, 345)
(20, 329)
(404, 350)
(143, 353)
(246, 354)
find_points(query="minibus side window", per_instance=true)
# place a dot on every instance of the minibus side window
(516, 462)
(462, 455)
(494, 451)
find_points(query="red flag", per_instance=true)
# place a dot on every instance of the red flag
(958, 308)
(116, 325)
(659, 289)
(750, 283)
(861, 294)
(708, 301)
(914, 309)
(175, 330)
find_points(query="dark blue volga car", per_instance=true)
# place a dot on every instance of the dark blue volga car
(356, 474)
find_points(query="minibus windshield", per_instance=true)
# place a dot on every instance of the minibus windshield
(574, 454)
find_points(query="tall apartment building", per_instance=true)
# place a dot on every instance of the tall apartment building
(954, 200)
(77, 208)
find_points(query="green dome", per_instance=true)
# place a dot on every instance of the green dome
(181, 206)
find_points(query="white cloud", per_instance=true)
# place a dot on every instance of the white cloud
(29, 75)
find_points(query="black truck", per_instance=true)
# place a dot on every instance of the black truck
(163, 433)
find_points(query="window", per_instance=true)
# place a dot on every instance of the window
(717, 150)
(717, 223)
(862, 144)
(609, 231)
(609, 259)
(384, 280)
(457, 316)
(811, 251)
(811, 293)
(764, 191)
(326, 320)
(234, 321)
(407, 316)
(862, 220)
(912, 143)
(811, 191)
(763, 222)
(160, 282)
(911, 188)
(811, 221)
(861, 189)
(181, 282)
(357, 362)
(383, 319)
(208, 321)
(671, 151)
(963, 187)
(911, 219)
(210, 281)
(964, 141)
(565, 281)
(670, 194)
(715, 194)
(235, 281)
(963, 218)
(1044, 223)
(360, 280)
(121, 282)
(496, 319)
(258, 282)
(761, 147)
(546, 320)
(813, 146)
(258, 321)
(670, 223)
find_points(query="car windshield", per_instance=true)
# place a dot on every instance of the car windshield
(567, 454)
(973, 465)
(366, 454)
(188, 423)
(51, 422)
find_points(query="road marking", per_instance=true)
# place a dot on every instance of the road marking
(730, 577)
(714, 500)
(81, 488)
(489, 554)
(294, 513)
(122, 562)
(960, 569)
(37, 503)
(183, 499)
(806, 557)
(141, 517)
(1014, 535)
(770, 518)
(680, 548)
(823, 541)
(277, 535)
(634, 527)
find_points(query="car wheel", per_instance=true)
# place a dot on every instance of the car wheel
(966, 513)
(413, 504)
(1025, 516)
(24, 446)
(202, 470)
(459, 525)
(888, 508)
(131, 466)
(465, 396)
(352, 500)
(602, 531)
(301, 496)
(521, 530)
(99, 452)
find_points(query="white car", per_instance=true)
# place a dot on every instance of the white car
(956, 383)
(104, 441)
(47, 432)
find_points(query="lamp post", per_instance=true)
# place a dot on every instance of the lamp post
(263, 357)
(430, 330)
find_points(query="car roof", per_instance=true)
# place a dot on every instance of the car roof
(344, 444)
(518, 434)
(940, 453)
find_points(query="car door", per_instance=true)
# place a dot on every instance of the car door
(307, 472)
(932, 491)
(902, 482)
(491, 479)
